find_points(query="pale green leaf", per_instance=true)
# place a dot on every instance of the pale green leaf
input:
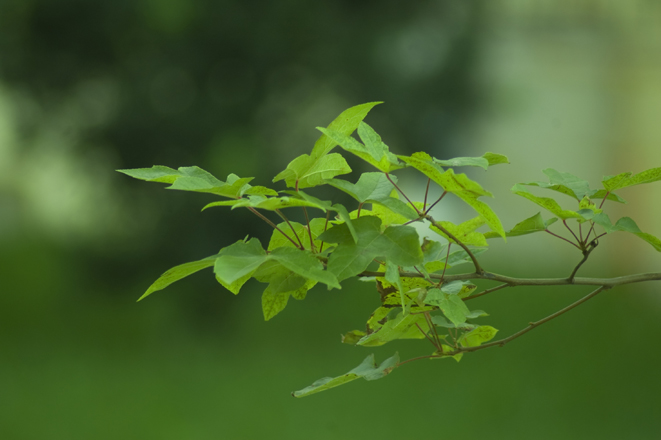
(368, 370)
(478, 336)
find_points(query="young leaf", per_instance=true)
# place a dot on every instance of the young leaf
(464, 162)
(578, 187)
(623, 180)
(374, 151)
(310, 170)
(177, 273)
(367, 370)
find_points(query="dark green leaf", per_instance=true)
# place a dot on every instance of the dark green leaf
(399, 244)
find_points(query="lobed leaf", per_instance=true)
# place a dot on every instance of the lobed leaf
(373, 151)
(626, 224)
(310, 170)
(368, 370)
(452, 306)
(400, 244)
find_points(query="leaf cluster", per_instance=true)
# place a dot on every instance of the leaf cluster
(375, 241)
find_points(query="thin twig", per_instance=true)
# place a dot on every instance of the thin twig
(563, 238)
(532, 325)
(434, 204)
(402, 192)
(493, 289)
(258, 214)
(321, 248)
(570, 230)
(424, 204)
(292, 228)
(426, 335)
(307, 220)
(478, 268)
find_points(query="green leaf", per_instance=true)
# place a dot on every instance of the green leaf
(546, 203)
(399, 244)
(458, 184)
(392, 276)
(451, 305)
(626, 224)
(600, 194)
(374, 151)
(464, 162)
(239, 260)
(528, 226)
(623, 180)
(370, 186)
(367, 370)
(578, 187)
(345, 123)
(478, 336)
(268, 203)
(464, 232)
(310, 170)
(495, 158)
(177, 273)
(279, 240)
(401, 327)
(305, 264)
(375, 188)
(192, 179)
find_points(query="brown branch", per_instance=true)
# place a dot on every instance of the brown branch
(493, 289)
(258, 214)
(291, 227)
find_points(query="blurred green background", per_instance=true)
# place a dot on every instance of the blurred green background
(87, 87)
